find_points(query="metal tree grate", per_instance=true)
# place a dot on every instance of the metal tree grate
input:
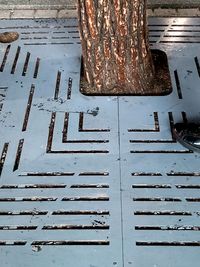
(95, 181)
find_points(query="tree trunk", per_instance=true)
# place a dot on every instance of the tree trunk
(116, 54)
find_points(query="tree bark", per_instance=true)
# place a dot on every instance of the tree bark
(115, 47)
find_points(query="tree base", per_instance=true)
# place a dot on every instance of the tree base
(161, 84)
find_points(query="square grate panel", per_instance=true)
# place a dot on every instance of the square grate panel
(95, 181)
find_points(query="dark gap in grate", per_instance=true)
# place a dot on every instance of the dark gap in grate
(3, 157)
(60, 37)
(39, 27)
(67, 43)
(71, 243)
(169, 244)
(5, 58)
(69, 89)
(65, 133)
(13, 243)
(162, 141)
(61, 32)
(153, 141)
(18, 227)
(73, 31)
(94, 174)
(79, 152)
(178, 85)
(188, 186)
(24, 27)
(156, 123)
(185, 25)
(31, 186)
(146, 174)
(184, 116)
(35, 32)
(23, 213)
(180, 42)
(196, 174)
(163, 213)
(158, 25)
(15, 60)
(156, 186)
(65, 127)
(180, 36)
(164, 199)
(51, 130)
(28, 199)
(161, 151)
(28, 108)
(81, 129)
(89, 186)
(192, 199)
(37, 64)
(26, 64)
(43, 174)
(34, 38)
(1, 106)
(167, 228)
(28, 44)
(80, 212)
(177, 30)
(197, 65)
(52, 43)
(75, 227)
(171, 122)
(50, 139)
(85, 199)
(57, 88)
(18, 154)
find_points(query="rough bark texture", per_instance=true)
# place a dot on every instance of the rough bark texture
(116, 54)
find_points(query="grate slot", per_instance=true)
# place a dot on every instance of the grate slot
(15, 60)
(69, 89)
(80, 212)
(3, 157)
(87, 198)
(65, 134)
(197, 65)
(57, 88)
(178, 85)
(47, 174)
(162, 213)
(12, 243)
(75, 227)
(157, 199)
(169, 244)
(5, 58)
(28, 108)
(37, 65)
(71, 243)
(26, 64)
(18, 154)
(23, 213)
(167, 228)
(33, 186)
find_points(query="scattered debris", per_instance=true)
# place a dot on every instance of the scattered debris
(8, 37)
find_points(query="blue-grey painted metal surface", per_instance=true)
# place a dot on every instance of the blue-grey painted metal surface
(95, 181)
